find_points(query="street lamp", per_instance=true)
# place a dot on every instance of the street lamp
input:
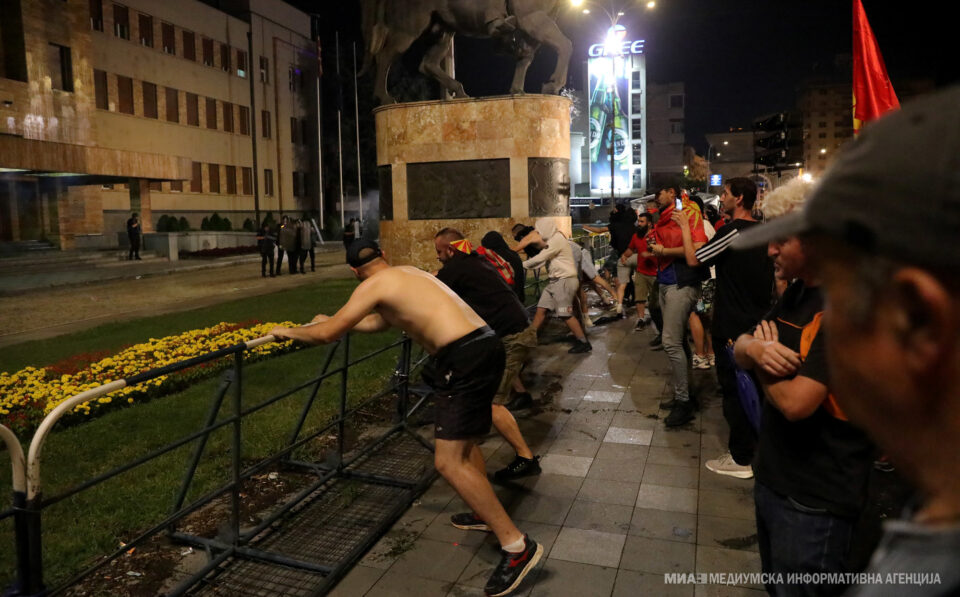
(613, 49)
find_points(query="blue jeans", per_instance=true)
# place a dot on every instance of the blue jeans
(797, 538)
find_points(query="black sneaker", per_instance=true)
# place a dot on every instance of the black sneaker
(521, 401)
(641, 324)
(673, 402)
(513, 568)
(681, 413)
(580, 347)
(520, 467)
(657, 342)
(468, 521)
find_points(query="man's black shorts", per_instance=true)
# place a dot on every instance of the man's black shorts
(465, 375)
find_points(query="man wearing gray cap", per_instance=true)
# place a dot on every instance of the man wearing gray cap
(885, 221)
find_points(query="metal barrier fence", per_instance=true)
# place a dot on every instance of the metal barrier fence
(258, 544)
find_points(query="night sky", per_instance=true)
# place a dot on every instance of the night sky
(738, 58)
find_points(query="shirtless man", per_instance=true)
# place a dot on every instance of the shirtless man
(467, 362)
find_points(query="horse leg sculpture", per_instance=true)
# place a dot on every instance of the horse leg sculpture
(524, 58)
(543, 29)
(432, 65)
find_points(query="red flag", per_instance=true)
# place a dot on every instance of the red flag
(872, 90)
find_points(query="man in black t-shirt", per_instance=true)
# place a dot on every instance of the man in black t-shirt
(811, 465)
(486, 292)
(744, 294)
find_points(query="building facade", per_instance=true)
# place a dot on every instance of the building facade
(161, 104)
(827, 122)
(665, 132)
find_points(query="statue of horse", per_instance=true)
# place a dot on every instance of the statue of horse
(391, 26)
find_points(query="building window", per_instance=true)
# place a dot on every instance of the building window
(196, 178)
(173, 105)
(125, 94)
(206, 46)
(189, 46)
(247, 180)
(676, 100)
(231, 173)
(295, 82)
(121, 21)
(636, 128)
(296, 183)
(294, 129)
(146, 30)
(225, 58)
(676, 128)
(100, 89)
(150, 100)
(228, 117)
(244, 120)
(213, 171)
(265, 123)
(96, 15)
(264, 69)
(822, 135)
(822, 125)
(304, 131)
(241, 64)
(268, 182)
(59, 67)
(176, 186)
(193, 109)
(211, 113)
(155, 185)
(168, 36)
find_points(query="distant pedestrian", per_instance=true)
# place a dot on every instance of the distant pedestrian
(349, 234)
(303, 243)
(133, 233)
(287, 240)
(314, 239)
(266, 243)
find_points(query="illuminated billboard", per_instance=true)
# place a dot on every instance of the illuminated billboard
(609, 88)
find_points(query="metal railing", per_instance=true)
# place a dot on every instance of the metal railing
(29, 502)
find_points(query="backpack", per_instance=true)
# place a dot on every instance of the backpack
(499, 263)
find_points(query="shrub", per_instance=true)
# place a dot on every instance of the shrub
(183, 224)
(248, 225)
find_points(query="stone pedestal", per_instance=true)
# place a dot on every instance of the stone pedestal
(474, 164)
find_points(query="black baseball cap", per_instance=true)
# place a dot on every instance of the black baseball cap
(894, 191)
(353, 253)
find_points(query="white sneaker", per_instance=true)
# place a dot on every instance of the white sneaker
(619, 309)
(587, 322)
(712, 359)
(700, 362)
(726, 465)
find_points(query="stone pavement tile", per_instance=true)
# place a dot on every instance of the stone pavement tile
(609, 492)
(675, 438)
(562, 486)
(593, 516)
(588, 547)
(402, 584)
(715, 559)
(560, 464)
(622, 435)
(630, 470)
(440, 560)
(617, 381)
(657, 556)
(728, 533)
(671, 476)
(441, 530)
(726, 591)
(609, 451)
(634, 421)
(477, 572)
(357, 582)
(660, 524)
(583, 432)
(575, 382)
(546, 509)
(674, 456)
(560, 578)
(712, 481)
(574, 447)
(631, 584)
(603, 396)
(595, 415)
(661, 497)
(729, 504)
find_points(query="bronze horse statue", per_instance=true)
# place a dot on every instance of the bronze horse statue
(391, 26)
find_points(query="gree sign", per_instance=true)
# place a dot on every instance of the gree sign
(616, 44)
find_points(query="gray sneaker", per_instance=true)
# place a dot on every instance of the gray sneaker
(726, 465)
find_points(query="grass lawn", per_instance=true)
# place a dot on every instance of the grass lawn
(78, 529)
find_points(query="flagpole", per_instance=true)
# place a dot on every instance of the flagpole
(319, 124)
(339, 128)
(356, 117)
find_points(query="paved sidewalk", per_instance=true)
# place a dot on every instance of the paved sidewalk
(621, 500)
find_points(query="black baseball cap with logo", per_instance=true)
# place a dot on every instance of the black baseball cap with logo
(356, 247)
(893, 191)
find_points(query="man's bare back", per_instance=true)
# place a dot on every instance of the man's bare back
(403, 297)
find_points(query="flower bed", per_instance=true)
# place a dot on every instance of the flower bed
(28, 395)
